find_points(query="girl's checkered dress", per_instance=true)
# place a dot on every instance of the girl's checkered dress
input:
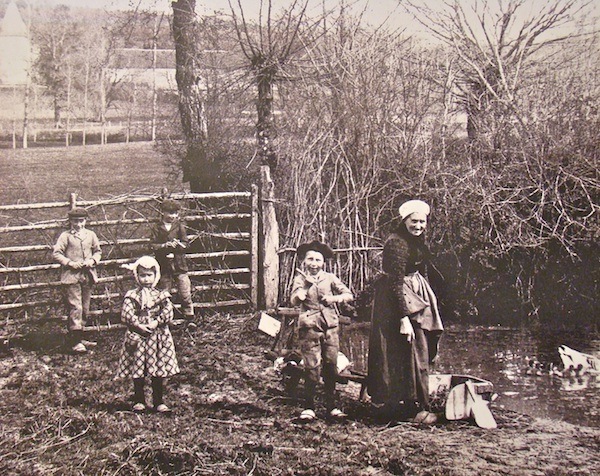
(153, 355)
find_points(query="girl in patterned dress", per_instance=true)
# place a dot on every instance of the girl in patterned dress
(148, 349)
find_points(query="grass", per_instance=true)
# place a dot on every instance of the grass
(51, 174)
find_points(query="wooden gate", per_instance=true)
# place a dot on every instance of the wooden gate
(223, 253)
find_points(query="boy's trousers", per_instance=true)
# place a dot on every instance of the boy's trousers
(77, 299)
(319, 346)
(184, 289)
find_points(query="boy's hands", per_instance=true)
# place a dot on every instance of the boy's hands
(174, 243)
(329, 299)
(88, 263)
(301, 294)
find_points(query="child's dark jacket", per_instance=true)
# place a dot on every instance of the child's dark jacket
(158, 236)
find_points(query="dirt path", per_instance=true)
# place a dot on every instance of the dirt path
(62, 414)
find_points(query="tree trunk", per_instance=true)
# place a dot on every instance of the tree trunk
(196, 169)
(26, 112)
(269, 242)
(264, 127)
(57, 112)
(102, 107)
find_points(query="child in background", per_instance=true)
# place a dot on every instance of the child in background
(78, 252)
(169, 241)
(317, 292)
(148, 349)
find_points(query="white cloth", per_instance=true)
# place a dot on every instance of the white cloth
(147, 262)
(413, 206)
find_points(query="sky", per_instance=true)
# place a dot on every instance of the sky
(377, 11)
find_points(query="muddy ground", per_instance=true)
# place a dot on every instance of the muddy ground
(65, 415)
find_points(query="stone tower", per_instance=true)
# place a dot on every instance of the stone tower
(15, 47)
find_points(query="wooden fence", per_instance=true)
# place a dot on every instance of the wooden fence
(223, 230)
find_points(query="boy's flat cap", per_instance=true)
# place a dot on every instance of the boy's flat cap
(315, 245)
(169, 205)
(78, 213)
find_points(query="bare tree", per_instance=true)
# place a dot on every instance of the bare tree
(56, 37)
(269, 44)
(495, 42)
(189, 82)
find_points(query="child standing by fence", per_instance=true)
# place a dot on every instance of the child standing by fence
(317, 292)
(148, 349)
(169, 241)
(78, 252)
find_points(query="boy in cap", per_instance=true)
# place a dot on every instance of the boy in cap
(78, 252)
(169, 241)
(316, 292)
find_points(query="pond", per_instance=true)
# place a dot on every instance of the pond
(503, 356)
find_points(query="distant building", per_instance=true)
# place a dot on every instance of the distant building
(15, 47)
(134, 65)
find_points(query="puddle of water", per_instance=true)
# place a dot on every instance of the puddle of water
(502, 356)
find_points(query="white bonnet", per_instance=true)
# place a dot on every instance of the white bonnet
(413, 206)
(147, 262)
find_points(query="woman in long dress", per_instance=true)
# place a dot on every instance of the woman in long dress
(405, 322)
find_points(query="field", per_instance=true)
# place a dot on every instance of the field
(66, 415)
(50, 174)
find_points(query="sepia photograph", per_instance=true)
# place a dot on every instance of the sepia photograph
(299, 237)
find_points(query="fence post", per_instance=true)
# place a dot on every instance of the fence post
(269, 240)
(254, 248)
(72, 201)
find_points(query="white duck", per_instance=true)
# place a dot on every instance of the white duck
(573, 359)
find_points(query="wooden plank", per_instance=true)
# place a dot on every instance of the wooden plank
(54, 284)
(63, 224)
(254, 248)
(27, 269)
(218, 254)
(232, 302)
(288, 311)
(125, 199)
(217, 216)
(221, 286)
(219, 272)
(200, 196)
(104, 327)
(47, 267)
(130, 241)
(58, 302)
(240, 235)
(33, 206)
(25, 249)
(124, 221)
(22, 249)
(24, 305)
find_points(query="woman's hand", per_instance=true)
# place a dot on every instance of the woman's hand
(153, 324)
(407, 329)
